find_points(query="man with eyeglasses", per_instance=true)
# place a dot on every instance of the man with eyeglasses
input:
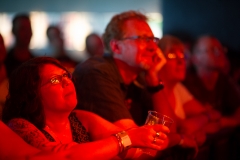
(102, 82)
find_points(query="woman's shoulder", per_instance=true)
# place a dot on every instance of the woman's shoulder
(27, 131)
(20, 123)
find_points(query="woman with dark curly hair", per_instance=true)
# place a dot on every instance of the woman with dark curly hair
(40, 108)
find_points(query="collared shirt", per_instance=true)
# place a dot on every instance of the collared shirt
(100, 88)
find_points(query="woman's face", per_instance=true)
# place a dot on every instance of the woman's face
(57, 90)
(175, 68)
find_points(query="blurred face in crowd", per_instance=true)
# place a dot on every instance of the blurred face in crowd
(210, 54)
(2, 49)
(22, 31)
(175, 68)
(55, 37)
(137, 45)
(57, 90)
(95, 45)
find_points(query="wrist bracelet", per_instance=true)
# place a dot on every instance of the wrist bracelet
(124, 141)
(154, 89)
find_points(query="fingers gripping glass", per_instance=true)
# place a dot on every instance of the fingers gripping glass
(143, 38)
(58, 78)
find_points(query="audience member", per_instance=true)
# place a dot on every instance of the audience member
(3, 76)
(57, 49)
(101, 82)
(13, 147)
(174, 100)
(40, 106)
(208, 83)
(178, 98)
(20, 52)
(94, 45)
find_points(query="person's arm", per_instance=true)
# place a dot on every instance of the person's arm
(193, 107)
(125, 123)
(30, 133)
(12, 146)
(190, 105)
(103, 129)
(161, 105)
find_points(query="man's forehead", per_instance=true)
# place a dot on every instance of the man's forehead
(136, 27)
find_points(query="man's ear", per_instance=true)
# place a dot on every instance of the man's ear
(114, 44)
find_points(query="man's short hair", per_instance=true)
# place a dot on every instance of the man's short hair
(114, 29)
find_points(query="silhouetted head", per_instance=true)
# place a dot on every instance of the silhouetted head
(94, 45)
(209, 54)
(22, 30)
(54, 35)
(115, 30)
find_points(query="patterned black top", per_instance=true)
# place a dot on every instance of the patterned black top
(79, 133)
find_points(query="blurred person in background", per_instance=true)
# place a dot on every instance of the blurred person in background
(3, 76)
(94, 45)
(20, 52)
(209, 84)
(57, 48)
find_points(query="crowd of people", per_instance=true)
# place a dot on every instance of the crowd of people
(57, 108)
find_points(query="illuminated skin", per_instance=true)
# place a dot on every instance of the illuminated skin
(58, 101)
(135, 52)
(59, 97)
(133, 56)
(175, 68)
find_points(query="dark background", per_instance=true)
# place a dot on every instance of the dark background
(189, 19)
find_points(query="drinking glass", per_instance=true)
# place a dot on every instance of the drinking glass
(158, 118)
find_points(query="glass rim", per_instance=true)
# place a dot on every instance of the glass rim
(171, 120)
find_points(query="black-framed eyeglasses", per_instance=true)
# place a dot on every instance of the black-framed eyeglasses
(143, 38)
(58, 78)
